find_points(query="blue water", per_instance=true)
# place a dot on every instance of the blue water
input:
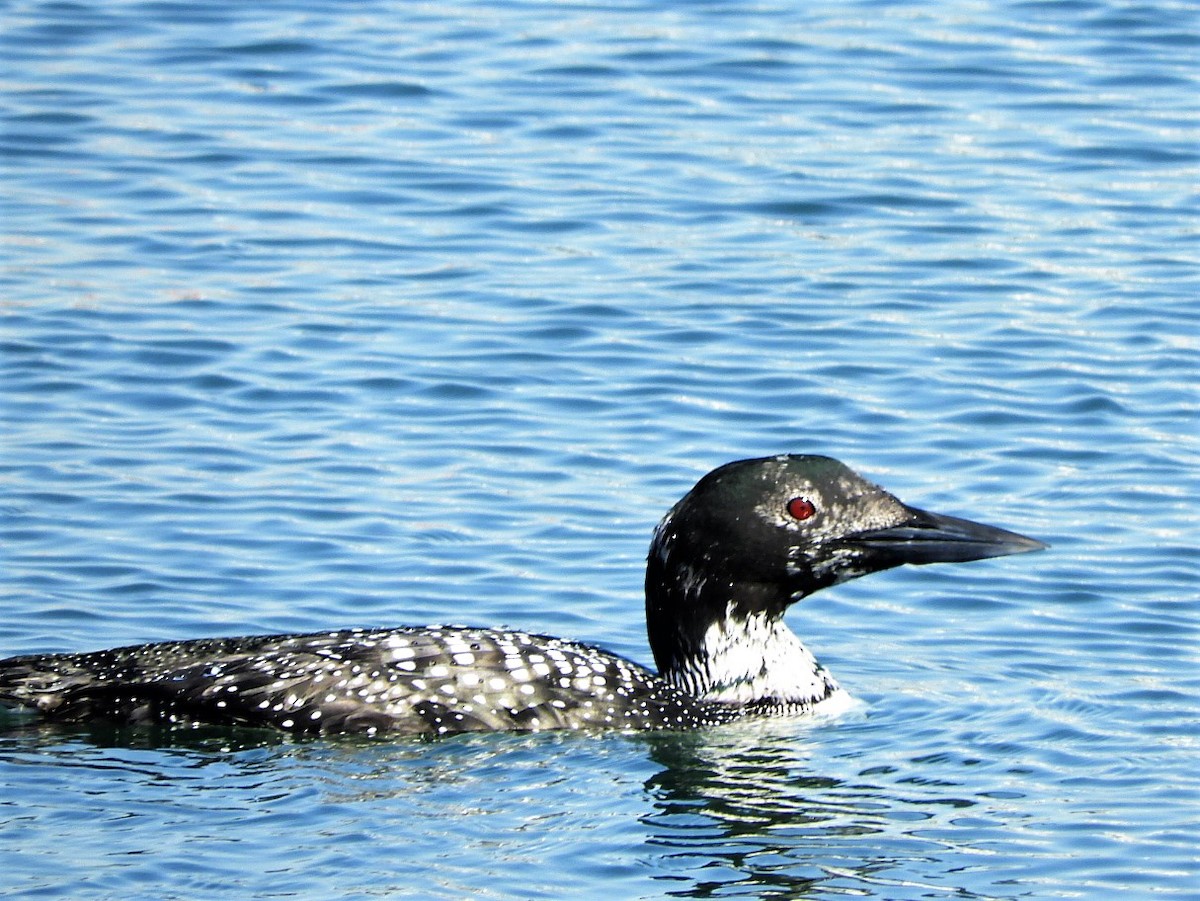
(321, 316)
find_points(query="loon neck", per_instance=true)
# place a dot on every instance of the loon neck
(719, 635)
(750, 660)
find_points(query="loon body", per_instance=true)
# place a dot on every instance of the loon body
(750, 539)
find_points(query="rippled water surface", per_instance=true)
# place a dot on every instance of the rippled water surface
(366, 314)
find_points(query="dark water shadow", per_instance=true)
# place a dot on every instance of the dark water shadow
(746, 811)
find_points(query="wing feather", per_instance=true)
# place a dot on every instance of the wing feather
(435, 680)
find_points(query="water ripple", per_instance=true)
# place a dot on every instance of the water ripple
(317, 319)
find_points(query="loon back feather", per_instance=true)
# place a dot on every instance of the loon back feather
(434, 680)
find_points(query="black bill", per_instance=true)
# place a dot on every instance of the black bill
(934, 538)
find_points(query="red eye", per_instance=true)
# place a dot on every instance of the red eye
(801, 508)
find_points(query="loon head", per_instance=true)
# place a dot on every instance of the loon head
(753, 537)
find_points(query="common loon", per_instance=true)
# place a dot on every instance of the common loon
(750, 539)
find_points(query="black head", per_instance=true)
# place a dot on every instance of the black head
(757, 535)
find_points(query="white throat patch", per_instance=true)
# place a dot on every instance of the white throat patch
(753, 659)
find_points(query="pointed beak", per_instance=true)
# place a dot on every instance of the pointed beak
(934, 538)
